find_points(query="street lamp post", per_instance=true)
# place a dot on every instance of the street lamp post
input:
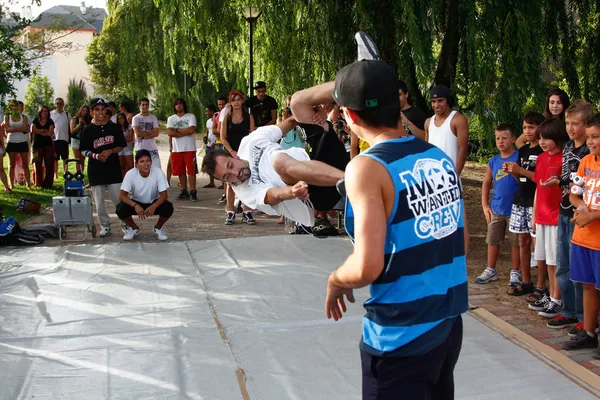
(251, 14)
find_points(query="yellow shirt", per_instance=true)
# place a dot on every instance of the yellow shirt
(363, 146)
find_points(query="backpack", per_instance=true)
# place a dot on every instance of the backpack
(12, 235)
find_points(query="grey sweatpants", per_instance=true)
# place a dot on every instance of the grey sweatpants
(98, 193)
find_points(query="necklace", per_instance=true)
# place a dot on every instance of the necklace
(237, 118)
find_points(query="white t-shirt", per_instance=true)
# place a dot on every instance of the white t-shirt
(61, 125)
(114, 118)
(145, 190)
(146, 124)
(258, 149)
(211, 136)
(185, 143)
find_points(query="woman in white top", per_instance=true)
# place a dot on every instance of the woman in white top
(17, 128)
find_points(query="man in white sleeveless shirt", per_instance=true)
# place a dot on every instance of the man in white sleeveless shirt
(448, 129)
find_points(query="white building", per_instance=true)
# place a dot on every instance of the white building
(79, 25)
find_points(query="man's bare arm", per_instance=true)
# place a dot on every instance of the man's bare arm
(427, 129)
(277, 195)
(462, 134)
(364, 187)
(304, 100)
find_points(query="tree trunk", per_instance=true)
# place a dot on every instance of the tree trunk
(446, 69)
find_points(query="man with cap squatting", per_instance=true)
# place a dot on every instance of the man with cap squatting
(101, 142)
(448, 129)
(408, 249)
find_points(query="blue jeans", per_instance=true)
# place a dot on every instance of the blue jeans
(572, 293)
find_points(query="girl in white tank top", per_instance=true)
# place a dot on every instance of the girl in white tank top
(17, 137)
(443, 137)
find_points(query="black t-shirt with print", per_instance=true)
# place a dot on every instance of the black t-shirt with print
(416, 116)
(97, 138)
(571, 157)
(526, 190)
(40, 141)
(261, 111)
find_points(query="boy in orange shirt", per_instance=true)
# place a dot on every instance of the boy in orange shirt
(585, 252)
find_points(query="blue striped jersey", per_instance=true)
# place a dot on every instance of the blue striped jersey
(423, 285)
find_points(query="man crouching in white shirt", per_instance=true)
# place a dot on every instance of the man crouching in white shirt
(149, 197)
(270, 179)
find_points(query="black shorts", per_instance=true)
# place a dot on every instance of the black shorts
(22, 147)
(61, 148)
(424, 377)
(165, 210)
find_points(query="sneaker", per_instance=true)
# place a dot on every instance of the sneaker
(222, 200)
(540, 305)
(105, 231)
(160, 234)
(184, 195)
(578, 328)
(551, 310)
(130, 233)
(515, 278)
(367, 49)
(488, 275)
(230, 220)
(582, 341)
(248, 218)
(562, 322)
(193, 195)
(210, 185)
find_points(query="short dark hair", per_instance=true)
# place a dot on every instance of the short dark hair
(125, 105)
(209, 162)
(112, 104)
(402, 86)
(142, 153)
(533, 118)
(212, 107)
(222, 98)
(384, 117)
(554, 129)
(182, 101)
(144, 99)
(594, 121)
(506, 128)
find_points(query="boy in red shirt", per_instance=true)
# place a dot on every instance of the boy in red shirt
(585, 252)
(545, 213)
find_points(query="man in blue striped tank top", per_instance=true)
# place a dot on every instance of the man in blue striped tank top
(405, 216)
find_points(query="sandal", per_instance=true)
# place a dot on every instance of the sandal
(537, 294)
(520, 289)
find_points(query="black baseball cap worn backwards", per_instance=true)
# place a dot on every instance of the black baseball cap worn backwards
(260, 85)
(366, 85)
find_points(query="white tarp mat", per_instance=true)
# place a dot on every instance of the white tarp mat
(187, 320)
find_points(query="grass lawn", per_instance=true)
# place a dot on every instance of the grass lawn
(8, 201)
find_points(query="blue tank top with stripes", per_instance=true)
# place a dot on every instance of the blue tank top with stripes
(423, 286)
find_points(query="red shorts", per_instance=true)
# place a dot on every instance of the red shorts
(184, 161)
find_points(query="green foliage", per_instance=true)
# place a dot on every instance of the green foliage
(76, 95)
(15, 64)
(500, 56)
(39, 92)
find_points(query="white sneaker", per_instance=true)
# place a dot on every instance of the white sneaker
(105, 231)
(130, 233)
(515, 278)
(160, 234)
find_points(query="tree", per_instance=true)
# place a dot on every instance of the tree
(39, 92)
(76, 95)
(15, 65)
(498, 56)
